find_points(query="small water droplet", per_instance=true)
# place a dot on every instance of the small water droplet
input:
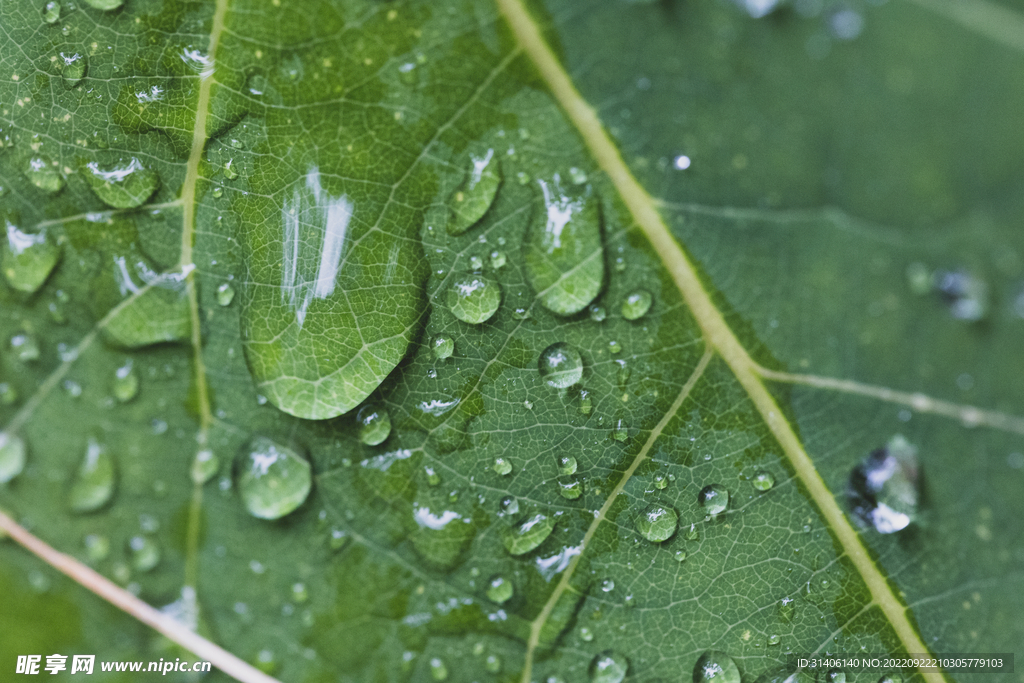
(13, 453)
(229, 170)
(72, 68)
(620, 433)
(715, 667)
(97, 547)
(660, 481)
(520, 314)
(374, 424)
(475, 194)
(523, 178)
(614, 347)
(126, 382)
(623, 374)
(598, 314)
(442, 347)
(498, 260)
(884, 489)
(560, 365)
(474, 298)
(657, 523)
(337, 539)
(835, 676)
(124, 185)
(586, 402)
(493, 664)
(502, 466)
(566, 464)
(608, 585)
(714, 498)
(225, 294)
(509, 505)
(237, 144)
(681, 162)
(774, 639)
(273, 480)
(570, 488)
(43, 173)
(8, 394)
(94, 481)
(636, 304)
(786, 609)
(205, 466)
(692, 534)
(577, 175)
(891, 678)
(763, 480)
(966, 294)
(586, 635)
(527, 534)
(680, 555)
(145, 553)
(51, 12)
(608, 667)
(407, 73)
(218, 192)
(105, 5)
(476, 264)
(433, 478)
(438, 669)
(499, 589)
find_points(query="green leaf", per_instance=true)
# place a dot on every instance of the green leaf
(406, 341)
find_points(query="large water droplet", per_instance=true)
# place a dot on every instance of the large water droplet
(374, 424)
(570, 488)
(560, 365)
(474, 298)
(714, 498)
(566, 464)
(499, 590)
(636, 304)
(145, 553)
(12, 456)
(72, 68)
(715, 667)
(273, 479)
(564, 252)
(105, 5)
(527, 534)
(763, 480)
(51, 12)
(94, 481)
(442, 347)
(43, 173)
(884, 489)
(657, 523)
(126, 383)
(475, 195)
(28, 258)
(608, 667)
(125, 185)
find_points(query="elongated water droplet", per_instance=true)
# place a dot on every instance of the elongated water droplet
(204, 466)
(28, 258)
(94, 481)
(225, 294)
(586, 402)
(474, 298)
(608, 667)
(884, 489)
(499, 589)
(560, 365)
(502, 466)
(12, 456)
(374, 424)
(105, 5)
(126, 383)
(51, 12)
(527, 534)
(564, 253)
(43, 173)
(475, 195)
(621, 432)
(570, 488)
(763, 480)
(657, 523)
(636, 304)
(145, 553)
(125, 185)
(566, 464)
(273, 479)
(715, 667)
(72, 69)
(714, 498)
(442, 347)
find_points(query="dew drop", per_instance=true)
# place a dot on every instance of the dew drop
(145, 553)
(586, 635)
(51, 12)
(225, 294)
(527, 534)
(124, 185)
(560, 365)
(93, 484)
(657, 523)
(774, 639)
(442, 347)
(24, 347)
(607, 586)
(577, 175)
(692, 534)
(13, 453)
(374, 424)
(433, 478)
(884, 489)
(680, 555)
(126, 382)
(72, 68)
(474, 299)
(8, 394)
(229, 170)
(715, 667)
(502, 466)
(714, 498)
(475, 194)
(509, 505)
(523, 178)
(566, 464)
(407, 73)
(476, 264)
(273, 480)
(614, 347)
(586, 402)
(218, 192)
(891, 678)
(835, 676)
(438, 669)
(570, 488)
(28, 258)
(786, 609)
(498, 260)
(337, 539)
(97, 547)
(620, 433)
(636, 304)
(205, 466)
(105, 5)
(499, 590)
(43, 173)
(763, 480)
(608, 667)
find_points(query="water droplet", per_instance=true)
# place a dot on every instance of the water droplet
(205, 466)
(273, 479)
(636, 304)
(520, 314)
(438, 670)
(126, 382)
(566, 464)
(72, 68)
(8, 394)
(786, 609)
(374, 424)
(714, 498)
(97, 547)
(891, 678)
(570, 488)
(12, 456)
(966, 295)
(577, 175)
(493, 664)
(433, 478)
(51, 12)
(680, 555)
(716, 667)
(476, 264)
(475, 195)
(124, 185)
(28, 259)
(266, 661)
(527, 534)
(337, 539)
(623, 374)
(474, 298)
(43, 173)
(502, 466)
(509, 505)
(499, 589)
(692, 534)
(225, 294)
(608, 667)
(614, 347)
(763, 480)
(94, 480)
(498, 260)
(586, 635)
(835, 676)
(523, 178)
(560, 365)
(407, 73)
(443, 347)
(621, 432)
(229, 170)
(598, 314)
(586, 403)
(884, 489)
(105, 5)
(657, 523)
(145, 553)
(608, 585)
(774, 639)
(218, 192)
(564, 252)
